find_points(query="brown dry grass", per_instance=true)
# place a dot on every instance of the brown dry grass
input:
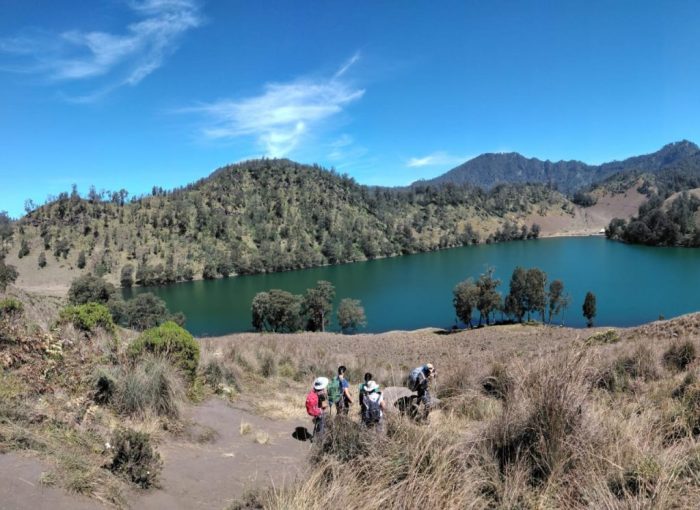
(552, 436)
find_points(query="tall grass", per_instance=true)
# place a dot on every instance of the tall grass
(151, 387)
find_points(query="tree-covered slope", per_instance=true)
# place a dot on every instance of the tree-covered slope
(263, 215)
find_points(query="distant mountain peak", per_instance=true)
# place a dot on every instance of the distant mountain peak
(491, 169)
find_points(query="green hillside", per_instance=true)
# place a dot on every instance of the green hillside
(263, 215)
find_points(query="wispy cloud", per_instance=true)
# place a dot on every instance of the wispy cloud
(283, 115)
(437, 158)
(122, 59)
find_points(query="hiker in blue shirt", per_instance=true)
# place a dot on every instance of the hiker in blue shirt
(339, 392)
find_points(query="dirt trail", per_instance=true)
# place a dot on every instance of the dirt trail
(213, 474)
(211, 468)
(20, 487)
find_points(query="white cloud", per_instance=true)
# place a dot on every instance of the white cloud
(437, 158)
(125, 59)
(282, 116)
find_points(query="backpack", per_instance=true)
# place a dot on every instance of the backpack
(334, 390)
(414, 378)
(373, 411)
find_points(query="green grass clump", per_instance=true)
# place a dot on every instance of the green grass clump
(88, 317)
(606, 337)
(10, 306)
(172, 341)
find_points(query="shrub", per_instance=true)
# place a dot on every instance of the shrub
(605, 337)
(683, 419)
(343, 439)
(88, 317)
(172, 341)
(680, 355)
(498, 383)
(150, 387)
(145, 311)
(11, 306)
(268, 365)
(543, 427)
(135, 458)
(641, 364)
(219, 375)
(105, 385)
(89, 288)
(8, 275)
(638, 480)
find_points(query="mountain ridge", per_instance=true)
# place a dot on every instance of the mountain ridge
(491, 169)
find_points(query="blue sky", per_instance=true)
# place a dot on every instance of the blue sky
(135, 93)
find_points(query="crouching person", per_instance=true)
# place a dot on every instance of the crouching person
(317, 405)
(373, 406)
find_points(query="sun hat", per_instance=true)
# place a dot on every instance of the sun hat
(429, 366)
(371, 386)
(320, 383)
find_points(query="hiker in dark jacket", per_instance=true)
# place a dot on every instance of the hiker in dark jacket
(361, 389)
(419, 381)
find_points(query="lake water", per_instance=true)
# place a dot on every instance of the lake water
(633, 284)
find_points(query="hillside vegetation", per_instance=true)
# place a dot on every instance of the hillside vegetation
(259, 216)
(670, 215)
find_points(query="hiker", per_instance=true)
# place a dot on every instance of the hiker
(418, 381)
(317, 405)
(361, 391)
(374, 406)
(339, 392)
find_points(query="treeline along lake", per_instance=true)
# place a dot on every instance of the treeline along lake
(633, 284)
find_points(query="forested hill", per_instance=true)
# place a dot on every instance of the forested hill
(263, 215)
(489, 170)
(671, 215)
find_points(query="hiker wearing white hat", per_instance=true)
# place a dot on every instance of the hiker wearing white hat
(374, 406)
(316, 405)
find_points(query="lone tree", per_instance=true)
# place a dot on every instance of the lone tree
(558, 301)
(8, 275)
(90, 289)
(351, 315)
(127, 276)
(317, 306)
(276, 310)
(589, 308)
(515, 302)
(536, 295)
(489, 299)
(465, 299)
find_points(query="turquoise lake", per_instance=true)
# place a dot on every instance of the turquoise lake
(633, 284)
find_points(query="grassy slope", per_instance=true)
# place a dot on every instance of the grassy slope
(586, 422)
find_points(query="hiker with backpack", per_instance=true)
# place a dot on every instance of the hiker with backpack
(317, 406)
(361, 390)
(419, 381)
(339, 392)
(374, 406)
